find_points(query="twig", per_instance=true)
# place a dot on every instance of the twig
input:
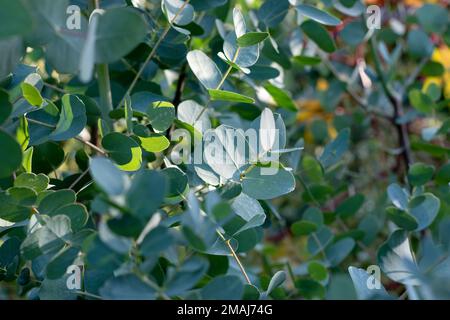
(90, 295)
(93, 146)
(51, 86)
(79, 178)
(233, 253)
(180, 85)
(229, 69)
(290, 273)
(397, 105)
(48, 125)
(152, 53)
(319, 244)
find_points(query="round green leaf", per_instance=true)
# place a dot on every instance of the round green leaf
(307, 60)
(350, 206)
(107, 176)
(317, 271)
(402, 219)
(161, 115)
(154, 142)
(178, 184)
(127, 287)
(11, 158)
(301, 228)
(77, 214)
(178, 12)
(30, 180)
(421, 101)
(72, 118)
(31, 94)
(443, 174)
(119, 31)
(146, 193)
(54, 200)
(310, 289)
(419, 174)
(123, 150)
(226, 287)
(47, 157)
(338, 251)
(425, 209)
(433, 17)
(15, 18)
(6, 106)
(261, 186)
(58, 265)
(319, 35)
(281, 97)
(245, 57)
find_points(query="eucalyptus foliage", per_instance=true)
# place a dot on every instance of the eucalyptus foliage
(349, 168)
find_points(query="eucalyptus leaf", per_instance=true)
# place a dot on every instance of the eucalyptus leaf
(119, 31)
(251, 38)
(204, 69)
(229, 96)
(72, 118)
(361, 279)
(123, 150)
(319, 35)
(318, 15)
(14, 159)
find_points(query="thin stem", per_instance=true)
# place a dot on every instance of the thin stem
(180, 85)
(79, 178)
(305, 186)
(229, 69)
(235, 256)
(290, 272)
(90, 295)
(319, 244)
(53, 87)
(152, 53)
(88, 143)
(397, 105)
(379, 70)
(93, 146)
(41, 123)
(128, 65)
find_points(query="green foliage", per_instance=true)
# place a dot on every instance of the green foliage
(224, 150)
